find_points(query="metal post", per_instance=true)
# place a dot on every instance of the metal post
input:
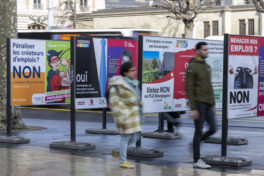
(104, 118)
(73, 82)
(138, 144)
(139, 74)
(225, 95)
(8, 91)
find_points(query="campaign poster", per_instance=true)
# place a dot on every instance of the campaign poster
(173, 55)
(58, 72)
(27, 59)
(91, 75)
(245, 76)
(118, 52)
(215, 60)
(158, 76)
(185, 50)
(261, 80)
(39, 72)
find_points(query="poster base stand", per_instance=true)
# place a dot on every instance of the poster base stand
(162, 135)
(143, 152)
(101, 131)
(227, 161)
(230, 141)
(67, 145)
(14, 140)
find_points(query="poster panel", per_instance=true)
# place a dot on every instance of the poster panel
(164, 64)
(58, 72)
(39, 72)
(158, 76)
(245, 76)
(28, 60)
(90, 73)
(98, 60)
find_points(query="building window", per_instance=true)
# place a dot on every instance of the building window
(83, 4)
(215, 28)
(37, 4)
(68, 5)
(218, 2)
(248, 1)
(206, 29)
(251, 27)
(242, 27)
(37, 26)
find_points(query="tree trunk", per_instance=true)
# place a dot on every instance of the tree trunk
(74, 14)
(188, 29)
(8, 29)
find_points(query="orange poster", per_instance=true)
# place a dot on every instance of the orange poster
(28, 71)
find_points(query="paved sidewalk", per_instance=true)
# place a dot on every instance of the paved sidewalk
(37, 159)
(34, 161)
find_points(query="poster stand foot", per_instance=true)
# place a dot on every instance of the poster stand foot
(67, 145)
(101, 131)
(13, 140)
(144, 152)
(230, 141)
(162, 135)
(227, 161)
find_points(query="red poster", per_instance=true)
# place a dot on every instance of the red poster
(181, 62)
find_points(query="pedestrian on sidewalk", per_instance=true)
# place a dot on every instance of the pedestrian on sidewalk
(125, 103)
(200, 94)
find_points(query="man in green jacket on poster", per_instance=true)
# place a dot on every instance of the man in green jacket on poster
(200, 94)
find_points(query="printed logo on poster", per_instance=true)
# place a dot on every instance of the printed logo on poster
(91, 102)
(80, 102)
(102, 101)
(83, 43)
(182, 44)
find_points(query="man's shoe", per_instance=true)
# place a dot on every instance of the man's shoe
(116, 155)
(126, 165)
(201, 164)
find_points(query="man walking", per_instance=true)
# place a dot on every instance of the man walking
(200, 94)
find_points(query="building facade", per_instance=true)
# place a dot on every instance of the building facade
(226, 16)
(33, 14)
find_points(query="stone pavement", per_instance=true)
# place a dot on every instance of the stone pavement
(37, 159)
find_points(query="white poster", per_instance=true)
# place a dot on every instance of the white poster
(244, 74)
(164, 64)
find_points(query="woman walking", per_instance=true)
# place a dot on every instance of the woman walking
(126, 106)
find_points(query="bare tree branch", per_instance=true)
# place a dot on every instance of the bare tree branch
(65, 10)
(175, 18)
(259, 5)
(185, 10)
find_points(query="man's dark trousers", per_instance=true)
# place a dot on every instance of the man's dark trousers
(205, 114)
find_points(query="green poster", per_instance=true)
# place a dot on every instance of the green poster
(58, 72)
